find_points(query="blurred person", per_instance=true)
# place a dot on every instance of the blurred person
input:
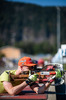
(13, 88)
(40, 64)
(35, 67)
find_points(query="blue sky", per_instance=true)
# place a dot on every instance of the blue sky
(44, 2)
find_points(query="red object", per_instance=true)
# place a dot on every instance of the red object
(26, 94)
(40, 61)
(52, 80)
(52, 73)
(49, 67)
(43, 80)
(25, 61)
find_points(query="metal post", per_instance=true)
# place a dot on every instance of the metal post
(58, 28)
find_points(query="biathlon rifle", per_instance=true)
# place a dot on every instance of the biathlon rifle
(41, 76)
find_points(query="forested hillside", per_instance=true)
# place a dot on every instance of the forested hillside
(21, 22)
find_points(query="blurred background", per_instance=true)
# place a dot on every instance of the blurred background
(34, 28)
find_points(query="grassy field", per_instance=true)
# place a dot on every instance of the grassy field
(64, 65)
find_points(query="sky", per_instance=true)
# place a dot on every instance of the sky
(43, 2)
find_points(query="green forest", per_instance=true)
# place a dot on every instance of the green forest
(30, 27)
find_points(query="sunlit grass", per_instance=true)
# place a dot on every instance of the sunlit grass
(64, 66)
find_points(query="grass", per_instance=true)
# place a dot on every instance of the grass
(64, 66)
